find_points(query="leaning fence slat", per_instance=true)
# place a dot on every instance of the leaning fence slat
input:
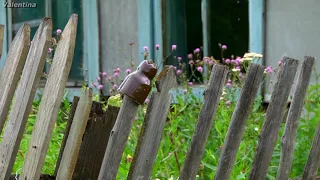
(311, 168)
(136, 87)
(73, 144)
(273, 120)
(1, 39)
(24, 97)
(210, 106)
(118, 139)
(150, 136)
(238, 121)
(289, 136)
(67, 131)
(95, 141)
(50, 103)
(11, 72)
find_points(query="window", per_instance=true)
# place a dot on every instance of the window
(60, 12)
(228, 23)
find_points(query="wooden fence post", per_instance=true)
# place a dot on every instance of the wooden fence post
(118, 139)
(24, 97)
(1, 39)
(238, 121)
(71, 151)
(11, 72)
(311, 168)
(273, 120)
(95, 142)
(289, 136)
(67, 131)
(210, 106)
(50, 103)
(135, 88)
(150, 135)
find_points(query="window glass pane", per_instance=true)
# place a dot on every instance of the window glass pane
(61, 12)
(27, 14)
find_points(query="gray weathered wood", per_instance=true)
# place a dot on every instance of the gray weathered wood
(1, 39)
(210, 106)
(95, 141)
(67, 131)
(118, 139)
(24, 97)
(10, 75)
(289, 136)
(238, 121)
(311, 168)
(150, 136)
(71, 151)
(50, 103)
(274, 115)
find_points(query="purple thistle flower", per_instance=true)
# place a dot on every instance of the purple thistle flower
(178, 72)
(104, 74)
(211, 62)
(174, 47)
(228, 61)
(179, 58)
(190, 83)
(184, 91)
(268, 70)
(238, 67)
(191, 62)
(116, 74)
(118, 69)
(228, 85)
(94, 84)
(100, 86)
(50, 50)
(115, 86)
(145, 48)
(206, 60)
(59, 31)
(98, 79)
(228, 103)
(280, 63)
(240, 75)
(146, 101)
(224, 47)
(199, 68)
(233, 61)
(128, 71)
(229, 81)
(157, 46)
(190, 56)
(197, 50)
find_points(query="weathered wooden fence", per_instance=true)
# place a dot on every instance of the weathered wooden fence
(94, 140)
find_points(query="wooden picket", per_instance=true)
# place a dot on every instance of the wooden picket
(71, 151)
(24, 97)
(50, 103)
(1, 38)
(274, 115)
(10, 75)
(152, 128)
(289, 136)
(238, 121)
(95, 139)
(210, 106)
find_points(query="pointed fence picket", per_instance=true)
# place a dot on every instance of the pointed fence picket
(95, 139)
